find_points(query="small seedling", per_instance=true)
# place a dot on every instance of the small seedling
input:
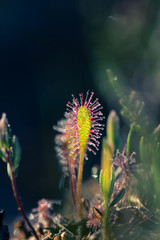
(10, 153)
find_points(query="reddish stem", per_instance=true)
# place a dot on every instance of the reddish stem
(79, 181)
(20, 207)
(72, 183)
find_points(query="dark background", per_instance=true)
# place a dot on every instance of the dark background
(51, 49)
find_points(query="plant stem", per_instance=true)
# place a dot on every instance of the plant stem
(20, 208)
(72, 183)
(60, 226)
(105, 221)
(79, 181)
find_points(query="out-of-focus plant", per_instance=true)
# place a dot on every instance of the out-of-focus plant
(149, 149)
(132, 107)
(149, 141)
(107, 174)
(10, 153)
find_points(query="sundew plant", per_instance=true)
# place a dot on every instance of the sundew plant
(83, 120)
(124, 200)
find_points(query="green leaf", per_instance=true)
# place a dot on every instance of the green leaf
(15, 155)
(8, 170)
(156, 136)
(106, 166)
(3, 137)
(132, 129)
(145, 155)
(1, 154)
(118, 197)
(112, 133)
(111, 184)
(101, 182)
(8, 136)
(142, 150)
